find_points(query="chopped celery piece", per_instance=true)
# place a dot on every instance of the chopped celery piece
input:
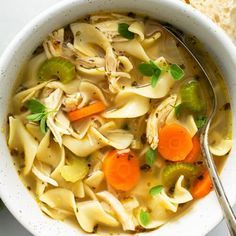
(172, 172)
(57, 67)
(77, 170)
(192, 97)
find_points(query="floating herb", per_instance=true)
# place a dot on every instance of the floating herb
(146, 69)
(39, 113)
(176, 72)
(43, 124)
(144, 218)
(155, 190)
(150, 156)
(35, 106)
(152, 70)
(123, 30)
(178, 110)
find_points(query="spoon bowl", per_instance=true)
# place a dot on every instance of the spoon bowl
(218, 187)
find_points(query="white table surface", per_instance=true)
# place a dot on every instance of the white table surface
(14, 14)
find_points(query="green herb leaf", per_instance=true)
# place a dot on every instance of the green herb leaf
(200, 121)
(43, 125)
(155, 190)
(155, 78)
(150, 156)
(146, 69)
(35, 117)
(144, 218)
(39, 113)
(178, 110)
(154, 66)
(123, 30)
(35, 106)
(150, 69)
(176, 72)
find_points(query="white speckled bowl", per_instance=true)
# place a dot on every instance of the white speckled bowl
(206, 213)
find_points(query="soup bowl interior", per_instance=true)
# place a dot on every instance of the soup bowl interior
(204, 214)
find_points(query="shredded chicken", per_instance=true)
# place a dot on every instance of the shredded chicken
(157, 119)
(53, 44)
(71, 101)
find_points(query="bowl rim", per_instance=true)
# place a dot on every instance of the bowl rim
(39, 20)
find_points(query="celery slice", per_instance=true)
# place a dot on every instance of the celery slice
(57, 67)
(77, 170)
(172, 172)
(192, 97)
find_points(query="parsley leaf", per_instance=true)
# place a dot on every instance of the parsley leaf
(154, 80)
(152, 70)
(146, 69)
(155, 77)
(123, 30)
(35, 117)
(150, 156)
(43, 125)
(144, 218)
(155, 190)
(200, 121)
(176, 72)
(39, 113)
(35, 106)
(178, 110)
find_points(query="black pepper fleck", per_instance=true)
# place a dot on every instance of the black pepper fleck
(95, 229)
(200, 162)
(227, 106)
(131, 14)
(171, 190)
(143, 138)
(145, 167)
(134, 83)
(200, 177)
(38, 50)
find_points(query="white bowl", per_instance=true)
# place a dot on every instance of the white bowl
(205, 214)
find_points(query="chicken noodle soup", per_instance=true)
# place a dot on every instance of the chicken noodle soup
(104, 125)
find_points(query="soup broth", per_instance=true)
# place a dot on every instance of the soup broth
(104, 125)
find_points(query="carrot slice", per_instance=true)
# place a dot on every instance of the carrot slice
(202, 187)
(175, 142)
(121, 170)
(195, 152)
(89, 110)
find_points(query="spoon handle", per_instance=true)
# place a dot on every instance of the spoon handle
(222, 198)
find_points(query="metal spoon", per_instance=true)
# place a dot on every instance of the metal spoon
(222, 198)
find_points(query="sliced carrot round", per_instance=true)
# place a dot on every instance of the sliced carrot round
(195, 152)
(89, 110)
(175, 142)
(202, 187)
(121, 170)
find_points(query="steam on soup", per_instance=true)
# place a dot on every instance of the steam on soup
(104, 125)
